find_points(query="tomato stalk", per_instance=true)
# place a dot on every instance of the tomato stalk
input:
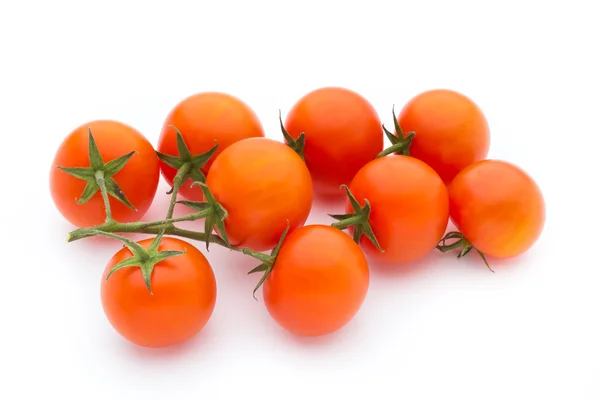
(400, 142)
(359, 218)
(460, 243)
(267, 261)
(152, 228)
(295, 144)
(177, 182)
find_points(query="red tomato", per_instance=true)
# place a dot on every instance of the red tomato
(451, 131)
(204, 119)
(497, 207)
(409, 207)
(262, 184)
(138, 179)
(181, 303)
(342, 133)
(318, 283)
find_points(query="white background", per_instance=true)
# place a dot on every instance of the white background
(449, 329)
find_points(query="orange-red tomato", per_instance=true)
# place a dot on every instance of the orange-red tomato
(182, 300)
(342, 133)
(451, 131)
(138, 179)
(409, 207)
(204, 119)
(318, 283)
(262, 184)
(497, 207)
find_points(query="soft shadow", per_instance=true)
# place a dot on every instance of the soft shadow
(398, 271)
(328, 205)
(314, 342)
(194, 344)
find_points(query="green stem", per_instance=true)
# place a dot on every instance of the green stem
(112, 228)
(99, 175)
(402, 147)
(169, 221)
(177, 182)
(460, 243)
(343, 224)
(264, 258)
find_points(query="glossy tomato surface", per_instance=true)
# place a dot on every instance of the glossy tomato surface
(318, 283)
(451, 131)
(204, 119)
(262, 183)
(184, 296)
(342, 133)
(409, 207)
(138, 179)
(498, 207)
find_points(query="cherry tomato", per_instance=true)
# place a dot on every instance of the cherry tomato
(497, 207)
(451, 131)
(342, 133)
(137, 180)
(409, 207)
(181, 303)
(318, 283)
(262, 184)
(204, 119)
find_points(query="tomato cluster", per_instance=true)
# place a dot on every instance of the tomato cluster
(255, 194)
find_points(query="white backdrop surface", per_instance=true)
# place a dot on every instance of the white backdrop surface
(449, 329)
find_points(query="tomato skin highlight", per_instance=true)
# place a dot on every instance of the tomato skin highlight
(184, 296)
(318, 283)
(451, 131)
(498, 207)
(409, 208)
(138, 179)
(342, 132)
(204, 119)
(262, 183)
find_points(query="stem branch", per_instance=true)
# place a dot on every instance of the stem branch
(177, 182)
(348, 222)
(99, 175)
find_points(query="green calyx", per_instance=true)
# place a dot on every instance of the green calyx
(460, 242)
(359, 218)
(267, 261)
(295, 144)
(188, 166)
(400, 142)
(212, 211)
(143, 259)
(99, 175)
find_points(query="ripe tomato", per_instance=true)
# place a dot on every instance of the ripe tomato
(138, 179)
(409, 207)
(451, 131)
(181, 303)
(318, 282)
(262, 184)
(204, 119)
(497, 207)
(342, 133)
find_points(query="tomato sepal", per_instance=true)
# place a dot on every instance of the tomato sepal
(460, 243)
(99, 176)
(144, 259)
(267, 260)
(400, 142)
(359, 219)
(188, 166)
(214, 213)
(295, 144)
